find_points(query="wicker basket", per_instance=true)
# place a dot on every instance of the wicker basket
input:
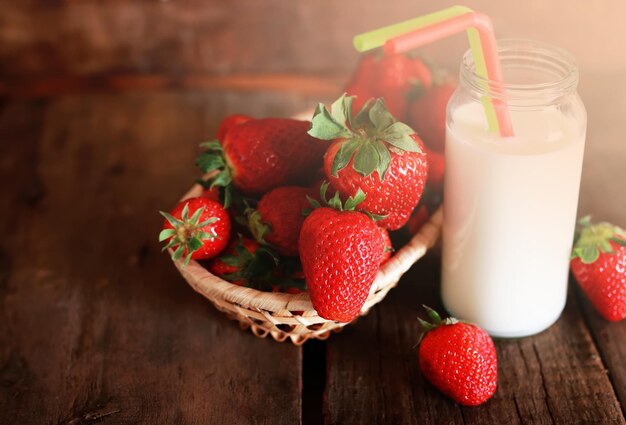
(287, 316)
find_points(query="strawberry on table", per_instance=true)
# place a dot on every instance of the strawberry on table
(341, 250)
(459, 359)
(197, 228)
(427, 115)
(261, 154)
(278, 218)
(374, 153)
(599, 265)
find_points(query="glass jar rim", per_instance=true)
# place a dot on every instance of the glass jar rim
(553, 60)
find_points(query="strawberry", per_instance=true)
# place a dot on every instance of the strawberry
(202, 235)
(599, 265)
(388, 246)
(427, 115)
(278, 218)
(397, 76)
(459, 359)
(230, 121)
(245, 263)
(261, 154)
(436, 169)
(341, 250)
(232, 263)
(374, 153)
(419, 217)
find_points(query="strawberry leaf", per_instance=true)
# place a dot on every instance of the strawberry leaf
(343, 156)
(589, 254)
(353, 201)
(325, 127)
(196, 216)
(362, 118)
(384, 159)
(209, 161)
(366, 159)
(166, 234)
(179, 252)
(172, 220)
(619, 241)
(380, 116)
(341, 109)
(399, 135)
(212, 145)
(185, 214)
(194, 244)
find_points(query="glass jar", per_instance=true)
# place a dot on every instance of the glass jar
(510, 203)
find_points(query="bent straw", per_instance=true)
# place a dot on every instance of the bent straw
(444, 23)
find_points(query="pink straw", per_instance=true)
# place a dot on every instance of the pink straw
(482, 23)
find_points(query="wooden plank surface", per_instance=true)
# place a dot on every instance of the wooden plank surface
(96, 322)
(373, 374)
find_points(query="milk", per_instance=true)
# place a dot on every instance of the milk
(509, 217)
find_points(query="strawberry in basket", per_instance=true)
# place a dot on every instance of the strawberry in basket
(197, 228)
(278, 218)
(261, 154)
(341, 250)
(374, 153)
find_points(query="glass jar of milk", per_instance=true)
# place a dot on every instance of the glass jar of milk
(510, 203)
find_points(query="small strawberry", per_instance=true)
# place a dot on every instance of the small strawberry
(202, 235)
(230, 121)
(459, 359)
(231, 264)
(436, 169)
(388, 250)
(245, 263)
(261, 154)
(341, 250)
(278, 218)
(599, 265)
(427, 115)
(374, 153)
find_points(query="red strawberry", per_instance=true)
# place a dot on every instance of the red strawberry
(436, 168)
(212, 193)
(259, 155)
(278, 218)
(246, 263)
(428, 115)
(366, 71)
(388, 250)
(197, 228)
(599, 265)
(419, 217)
(397, 76)
(459, 359)
(230, 121)
(341, 251)
(361, 95)
(233, 262)
(376, 154)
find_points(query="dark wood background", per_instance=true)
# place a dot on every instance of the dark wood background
(102, 104)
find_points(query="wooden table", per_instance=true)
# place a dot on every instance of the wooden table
(98, 327)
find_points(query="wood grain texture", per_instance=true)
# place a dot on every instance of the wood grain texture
(373, 374)
(96, 322)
